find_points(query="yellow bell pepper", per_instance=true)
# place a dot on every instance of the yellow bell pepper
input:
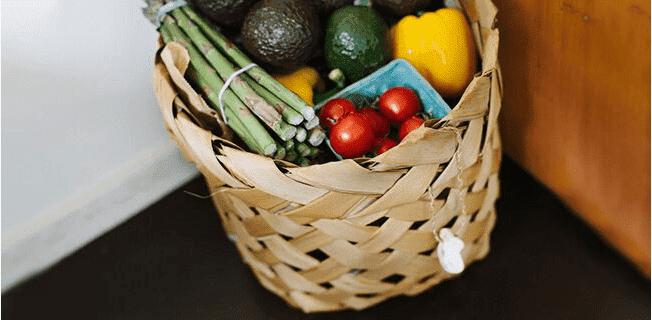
(302, 82)
(440, 46)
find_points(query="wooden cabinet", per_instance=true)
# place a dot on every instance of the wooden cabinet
(576, 109)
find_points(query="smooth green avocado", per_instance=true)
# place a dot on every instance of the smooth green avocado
(355, 42)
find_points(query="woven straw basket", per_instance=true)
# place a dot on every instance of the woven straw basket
(350, 234)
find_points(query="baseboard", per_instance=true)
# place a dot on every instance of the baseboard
(36, 245)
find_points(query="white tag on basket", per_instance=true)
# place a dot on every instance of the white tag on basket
(449, 251)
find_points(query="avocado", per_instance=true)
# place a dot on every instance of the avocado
(227, 13)
(281, 35)
(355, 42)
(400, 8)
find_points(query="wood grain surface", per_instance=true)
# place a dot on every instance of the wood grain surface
(576, 109)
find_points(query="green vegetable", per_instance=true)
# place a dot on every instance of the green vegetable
(302, 134)
(302, 148)
(224, 68)
(289, 144)
(316, 136)
(291, 155)
(242, 60)
(290, 115)
(249, 101)
(210, 83)
(280, 151)
(355, 42)
(282, 34)
(340, 82)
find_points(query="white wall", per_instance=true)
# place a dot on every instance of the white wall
(82, 135)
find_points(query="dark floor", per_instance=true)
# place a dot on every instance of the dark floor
(173, 261)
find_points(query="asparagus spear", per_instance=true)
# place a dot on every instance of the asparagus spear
(244, 134)
(316, 136)
(290, 115)
(312, 123)
(261, 108)
(210, 83)
(302, 149)
(289, 144)
(301, 134)
(313, 152)
(303, 162)
(167, 37)
(284, 149)
(291, 155)
(257, 73)
(280, 151)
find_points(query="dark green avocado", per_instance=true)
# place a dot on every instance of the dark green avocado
(281, 35)
(228, 13)
(355, 42)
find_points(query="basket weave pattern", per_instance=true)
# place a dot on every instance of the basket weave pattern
(352, 233)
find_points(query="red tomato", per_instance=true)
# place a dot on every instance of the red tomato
(408, 125)
(385, 144)
(333, 110)
(381, 125)
(353, 136)
(398, 104)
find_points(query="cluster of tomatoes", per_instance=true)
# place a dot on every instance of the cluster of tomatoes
(355, 132)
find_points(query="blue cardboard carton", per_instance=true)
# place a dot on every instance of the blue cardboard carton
(398, 72)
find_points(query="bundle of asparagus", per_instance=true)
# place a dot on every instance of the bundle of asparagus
(269, 118)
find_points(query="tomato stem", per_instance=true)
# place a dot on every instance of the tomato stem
(337, 76)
